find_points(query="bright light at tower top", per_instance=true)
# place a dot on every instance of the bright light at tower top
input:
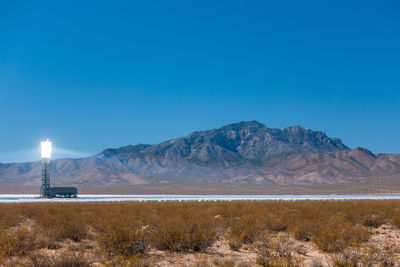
(46, 149)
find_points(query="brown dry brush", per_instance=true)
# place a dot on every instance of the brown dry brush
(59, 224)
(18, 242)
(276, 251)
(184, 230)
(366, 257)
(123, 238)
(243, 230)
(64, 259)
(129, 229)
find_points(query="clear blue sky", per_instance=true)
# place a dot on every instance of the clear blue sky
(104, 74)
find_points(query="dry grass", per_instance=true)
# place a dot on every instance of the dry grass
(64, 259)
(123, 238)
(126, 232)
(184, 232)
(276, 251)
(242, 231)
(17, 242)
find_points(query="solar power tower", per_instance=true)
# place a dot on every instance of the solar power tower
(45, 189)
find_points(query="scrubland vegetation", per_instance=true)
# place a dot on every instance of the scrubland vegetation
(363, 233)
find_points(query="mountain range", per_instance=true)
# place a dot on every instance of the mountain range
(244, 152)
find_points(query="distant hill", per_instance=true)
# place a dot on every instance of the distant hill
(244, 152)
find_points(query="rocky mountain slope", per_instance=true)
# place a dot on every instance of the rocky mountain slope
(244, 152)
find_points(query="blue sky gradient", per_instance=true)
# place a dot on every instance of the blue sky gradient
(106, 74)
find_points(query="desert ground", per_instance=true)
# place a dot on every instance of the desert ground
(314, 233)
(375, 185)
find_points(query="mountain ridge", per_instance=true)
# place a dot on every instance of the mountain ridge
(234, 138)
(243, 152)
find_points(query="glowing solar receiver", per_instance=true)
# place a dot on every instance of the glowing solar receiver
(46, 149)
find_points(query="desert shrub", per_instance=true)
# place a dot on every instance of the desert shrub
(235, 243)
(18, 242)
(348, 258)
(123, 238)
(13, 215)
(202, 262)
(277, 224)
(245, 264)
(334, 226)
(184, 232)
(395, 221)
(276, 251)
(134, 261)
(303, 232)
(367, 257)
(224, 263)
(59, 224)
(374, 220)
(64, 259)
(336, 236)
(385, 256)
(242, 230)
(267, 260)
